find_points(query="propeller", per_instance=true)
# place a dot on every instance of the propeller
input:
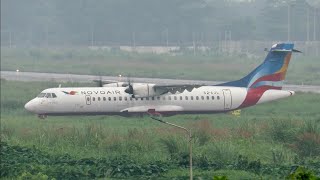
(99, 82)
(129, 90)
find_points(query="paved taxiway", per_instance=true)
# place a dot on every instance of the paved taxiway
(35, 76)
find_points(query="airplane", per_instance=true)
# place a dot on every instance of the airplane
(263, 84)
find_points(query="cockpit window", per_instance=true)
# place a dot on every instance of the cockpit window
(41, 95)
(47, 95)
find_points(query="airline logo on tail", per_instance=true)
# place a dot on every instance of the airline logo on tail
(269, 75)
(273, 70)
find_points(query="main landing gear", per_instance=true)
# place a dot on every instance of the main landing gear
(155, 115)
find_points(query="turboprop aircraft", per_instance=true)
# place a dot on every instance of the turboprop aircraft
(262, 85)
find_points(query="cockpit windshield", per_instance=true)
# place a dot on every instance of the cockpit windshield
(41, 95)
(47, 95)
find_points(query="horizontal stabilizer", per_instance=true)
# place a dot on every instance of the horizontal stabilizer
(297, 51)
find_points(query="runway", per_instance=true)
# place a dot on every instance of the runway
(36, 76)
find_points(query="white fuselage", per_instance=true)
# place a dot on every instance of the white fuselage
(114, 100)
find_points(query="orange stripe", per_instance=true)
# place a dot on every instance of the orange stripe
(286, 64)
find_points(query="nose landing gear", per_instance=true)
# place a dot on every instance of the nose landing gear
(42, 116)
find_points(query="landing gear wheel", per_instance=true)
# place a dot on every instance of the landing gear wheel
(42, 116)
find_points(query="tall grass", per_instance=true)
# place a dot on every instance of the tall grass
(308, 140)
(283, 130)
(271, 134)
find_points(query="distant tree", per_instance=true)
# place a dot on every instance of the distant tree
(79, 22)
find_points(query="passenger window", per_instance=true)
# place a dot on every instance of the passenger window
(181, 98)
(175, 97)
(141, 99)
(169, 97)
(136, 99)
(158, 98)
(202, 97)
(152, 98)
(120, 98)
(197, 97)
(104, 98)
(130, 98)
(208, 97)
(212, 97)
(93, 98)
(99, 98)
(164, 98)
(191, 97)
(125, 98)
(109, 98)
(147, 98)
(218, 97)
(88, 99)
(48, 95)
(186, 97)
(115, 98)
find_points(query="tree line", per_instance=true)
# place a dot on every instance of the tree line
(154, 22)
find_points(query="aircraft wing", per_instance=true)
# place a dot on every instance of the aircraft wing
(156, 88)
(174, 88)
(105, 81)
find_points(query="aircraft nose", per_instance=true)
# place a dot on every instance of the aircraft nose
(29, 106)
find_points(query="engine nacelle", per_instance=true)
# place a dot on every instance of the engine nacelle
(146, 90)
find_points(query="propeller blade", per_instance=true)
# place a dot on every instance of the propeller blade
(129, 90)
(99, 82)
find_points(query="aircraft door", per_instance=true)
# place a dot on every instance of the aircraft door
(227, 99)
(88, 99)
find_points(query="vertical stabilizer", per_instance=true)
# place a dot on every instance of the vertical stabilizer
(271, 73)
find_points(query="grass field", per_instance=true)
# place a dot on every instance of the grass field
(264, 142)
(208, 66)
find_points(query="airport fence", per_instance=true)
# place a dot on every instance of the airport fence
(250, 48)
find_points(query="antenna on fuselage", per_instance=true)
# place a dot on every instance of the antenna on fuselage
(59, 85)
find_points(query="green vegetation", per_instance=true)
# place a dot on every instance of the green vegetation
(266, 141)
(113, 22)
(302, 69)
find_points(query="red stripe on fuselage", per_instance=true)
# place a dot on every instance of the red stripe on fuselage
(254, 95)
